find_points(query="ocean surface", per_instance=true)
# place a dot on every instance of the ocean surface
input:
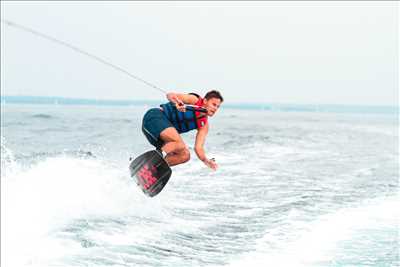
(292, 189)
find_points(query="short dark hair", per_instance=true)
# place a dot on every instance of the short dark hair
(214, 94)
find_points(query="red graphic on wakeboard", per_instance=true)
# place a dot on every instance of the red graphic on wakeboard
(146, 176)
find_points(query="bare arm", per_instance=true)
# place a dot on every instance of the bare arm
(199, 147)
(181, 99)
(185, 98)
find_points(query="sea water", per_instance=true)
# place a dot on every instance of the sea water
(292, 189)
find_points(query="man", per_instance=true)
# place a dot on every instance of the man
(184, 112)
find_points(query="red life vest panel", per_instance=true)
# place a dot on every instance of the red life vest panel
(201, 117)
(185, 121)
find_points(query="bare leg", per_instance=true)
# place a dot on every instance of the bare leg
(176, 150)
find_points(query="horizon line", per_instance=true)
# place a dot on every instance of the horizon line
(144, 101)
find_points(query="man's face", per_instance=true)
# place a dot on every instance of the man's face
(212, 105)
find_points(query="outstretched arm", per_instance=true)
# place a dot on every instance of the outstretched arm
(181, 99)
(199, 147)
(184, 98)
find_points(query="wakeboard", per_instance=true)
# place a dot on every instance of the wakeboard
(150, 172)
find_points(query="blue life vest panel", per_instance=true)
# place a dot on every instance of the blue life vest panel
(184, 121)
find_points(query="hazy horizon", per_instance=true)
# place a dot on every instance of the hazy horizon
(70, 101)
(343, 53)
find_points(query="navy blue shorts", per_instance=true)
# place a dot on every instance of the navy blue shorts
(154, 122)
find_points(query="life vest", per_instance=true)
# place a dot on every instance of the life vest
(185, 121)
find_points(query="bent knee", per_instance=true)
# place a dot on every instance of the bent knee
(182, 147)
(185, 155)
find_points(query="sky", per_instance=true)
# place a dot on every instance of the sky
(296, 52)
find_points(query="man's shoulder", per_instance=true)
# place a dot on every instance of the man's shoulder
(204, 126)
(196, 95)
(192, 98)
